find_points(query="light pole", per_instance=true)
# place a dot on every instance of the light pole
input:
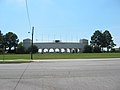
(32, 43)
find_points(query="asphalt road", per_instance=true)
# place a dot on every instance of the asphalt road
(97, 74)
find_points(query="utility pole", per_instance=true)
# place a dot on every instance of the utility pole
(32, 43)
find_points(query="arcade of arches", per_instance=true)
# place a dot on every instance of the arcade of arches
(58, 47)
(60, 50)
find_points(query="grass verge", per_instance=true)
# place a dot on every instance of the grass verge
(26, 57)
(14, 61)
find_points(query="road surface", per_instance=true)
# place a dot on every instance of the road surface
(75, 74)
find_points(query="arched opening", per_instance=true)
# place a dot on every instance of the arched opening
(45, 50)
(51, 50)
(76, 50)
(39, 50)
(62, 50)
(72, 50)
(57, 50)
(68, 50)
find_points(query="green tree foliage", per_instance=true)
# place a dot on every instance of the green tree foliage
(101, 40)
(1, 42)
(35, 49)
(87, 49)
(96, 38)
(108, 42)
(11, 40)
(1, 39)
(96, 49)
(20, 49)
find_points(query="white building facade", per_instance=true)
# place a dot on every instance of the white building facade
(58, 47)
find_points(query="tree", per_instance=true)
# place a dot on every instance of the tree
(96, 39)
(112, 44)
(96, 49)
(87, 49)
(101, 40)
(20, 49)
(11, 40)
(107, 42)
(1, 40)
(35, 49)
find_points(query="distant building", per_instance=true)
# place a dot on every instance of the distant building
(27, 43)
(116, 48)
(58, 46)
(84, 41)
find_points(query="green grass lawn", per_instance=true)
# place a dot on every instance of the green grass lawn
(20, 57)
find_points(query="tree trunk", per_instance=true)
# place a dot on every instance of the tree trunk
(9, 50)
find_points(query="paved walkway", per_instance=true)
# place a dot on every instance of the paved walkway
(100, 74)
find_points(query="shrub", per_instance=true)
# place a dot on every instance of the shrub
(96, 49)
(20, 50)
(87, 49)
(35, 49)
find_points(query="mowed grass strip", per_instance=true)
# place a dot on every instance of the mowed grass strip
(77, 56)
(59, 56)
(14, 56)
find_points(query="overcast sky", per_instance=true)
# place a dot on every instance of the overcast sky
(68, 20)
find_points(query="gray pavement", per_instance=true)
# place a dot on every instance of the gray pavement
(74, 74)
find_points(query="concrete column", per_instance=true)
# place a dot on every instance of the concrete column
(48, 50)
(65, 50)
(80, 50)
(54, 50)
(42, 50)
(70, 50)
(60, 50)
(76, 50)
